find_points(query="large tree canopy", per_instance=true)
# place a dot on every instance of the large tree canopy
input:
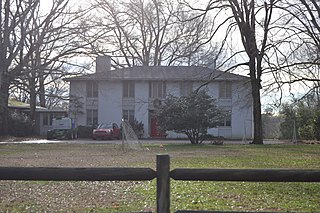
(35, 47)
(299, 73)
(248, 22)
(151, 33)
(274, 42)
(192, 115)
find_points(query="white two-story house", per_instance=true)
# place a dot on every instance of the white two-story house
(131, 93)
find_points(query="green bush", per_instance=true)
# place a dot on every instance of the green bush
(20, 125)
(191, 115)
(85, 131)
(304, 118)
(307, 132)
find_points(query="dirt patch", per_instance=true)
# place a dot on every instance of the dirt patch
(17, 139)
(30, 196)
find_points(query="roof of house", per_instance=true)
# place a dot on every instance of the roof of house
(156, 73)
(14, 104)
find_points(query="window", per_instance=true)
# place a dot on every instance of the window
(226, 120)
(47, 119)
(92, 89)
(157, 89)
(128, 89)
(186, 87)
(225, 89)
(92, 117)
(128, 115)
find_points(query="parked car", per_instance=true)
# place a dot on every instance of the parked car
(106, 131)
(62, 128)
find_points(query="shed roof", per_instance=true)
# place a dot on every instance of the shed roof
(14, 104)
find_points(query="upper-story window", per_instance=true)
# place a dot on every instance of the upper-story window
(92, 89)
(225, 89)
(128, 89)
(157, 89)
(186, 88)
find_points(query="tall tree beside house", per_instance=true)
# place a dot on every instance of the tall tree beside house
(252, 21)
(35, 46)
(245, 16)
(191, 115)
(50, 61)
(14, 19)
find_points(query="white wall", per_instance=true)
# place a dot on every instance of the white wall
(241, 111)
(110, 102)
(142, 104)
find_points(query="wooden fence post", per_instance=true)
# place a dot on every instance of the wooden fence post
(163, 184)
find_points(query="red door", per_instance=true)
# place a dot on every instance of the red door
(155, 133)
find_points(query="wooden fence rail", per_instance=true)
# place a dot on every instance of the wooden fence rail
(76, 174)
(248, 175)
(162, 174)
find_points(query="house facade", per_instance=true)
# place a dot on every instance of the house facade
(133, 93)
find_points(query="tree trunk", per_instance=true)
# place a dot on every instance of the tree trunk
(42, 91)
(257, 118)
(4, 111)
(190, 137)
(33, 98)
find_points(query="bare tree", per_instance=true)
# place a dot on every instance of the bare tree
(250, 22)
(36, 47)
(150, 33)
(300, 67)
(14, 19)
(52, 30)
(245, 15)
(280, 40)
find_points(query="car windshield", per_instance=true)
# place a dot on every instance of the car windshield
(105, 126)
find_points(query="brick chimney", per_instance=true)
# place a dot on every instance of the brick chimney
(103, 65)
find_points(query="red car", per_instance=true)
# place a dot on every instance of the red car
(106, 131)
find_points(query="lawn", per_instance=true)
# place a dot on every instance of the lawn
(27, 196)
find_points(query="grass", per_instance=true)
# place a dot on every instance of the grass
(197, 195)
(241, 196)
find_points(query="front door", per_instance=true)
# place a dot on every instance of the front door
(155, 133)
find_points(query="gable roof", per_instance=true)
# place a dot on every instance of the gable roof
(161, 73)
